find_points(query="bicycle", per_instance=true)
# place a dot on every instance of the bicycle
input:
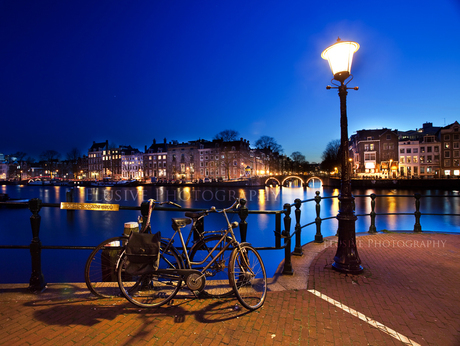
(100, 267)
(246, 271)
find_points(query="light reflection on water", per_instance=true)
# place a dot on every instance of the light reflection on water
(86, 228)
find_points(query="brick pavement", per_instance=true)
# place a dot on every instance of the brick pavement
(407, 294)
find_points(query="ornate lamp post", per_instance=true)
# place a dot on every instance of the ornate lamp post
(346, 260)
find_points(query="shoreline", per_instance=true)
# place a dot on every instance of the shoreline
(432, 183)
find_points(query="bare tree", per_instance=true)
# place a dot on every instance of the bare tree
(266, 142)
(297, 157)
(50, 155)
(19, 155)
(331, 155)
(227, 135)
(73, 155)
(50, 158)
(298, 161)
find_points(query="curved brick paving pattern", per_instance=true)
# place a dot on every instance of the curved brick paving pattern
(409, 286)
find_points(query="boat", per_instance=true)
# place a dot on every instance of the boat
(35, 182)
(122, 183)
(102, 183)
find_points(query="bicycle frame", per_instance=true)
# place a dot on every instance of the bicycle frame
(224, 235)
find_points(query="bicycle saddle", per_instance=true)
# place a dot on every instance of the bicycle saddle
(181, 222)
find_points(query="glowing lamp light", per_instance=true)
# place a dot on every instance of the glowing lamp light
(340, 57)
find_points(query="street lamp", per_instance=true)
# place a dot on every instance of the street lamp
(346, 260)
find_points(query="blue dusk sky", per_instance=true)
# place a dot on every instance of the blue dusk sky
(74, 72)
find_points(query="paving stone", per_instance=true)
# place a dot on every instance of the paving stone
(405, 294)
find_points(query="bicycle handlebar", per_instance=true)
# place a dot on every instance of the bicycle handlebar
(152, 201)
(233, 206)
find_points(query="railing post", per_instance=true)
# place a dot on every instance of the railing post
(243, 212)
(37, 280)
(298, 229)
(278, 230)
(69, 195)
(417, 226)
(287, 240)
(372, 228)
(318, 235)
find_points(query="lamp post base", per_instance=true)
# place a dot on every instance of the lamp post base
(347, 268)
(346, 259)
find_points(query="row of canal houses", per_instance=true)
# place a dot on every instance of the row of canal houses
(428, 152)
(189, 161)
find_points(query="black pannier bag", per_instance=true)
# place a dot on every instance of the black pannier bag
(143, 252)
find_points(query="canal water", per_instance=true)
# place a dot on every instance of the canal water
(89, 228)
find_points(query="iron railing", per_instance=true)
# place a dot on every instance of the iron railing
(37, 282)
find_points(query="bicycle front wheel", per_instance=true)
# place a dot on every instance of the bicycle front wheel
(152, 289)
(217, 284)
(100, 268)
(247, 276)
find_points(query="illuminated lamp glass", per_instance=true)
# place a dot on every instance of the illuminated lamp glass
(340, 57)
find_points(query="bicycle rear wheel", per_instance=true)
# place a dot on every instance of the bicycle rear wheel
(100, 268)
(247, 275)
(217, 284)
(153, 289)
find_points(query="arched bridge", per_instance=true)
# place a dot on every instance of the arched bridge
(304, 180)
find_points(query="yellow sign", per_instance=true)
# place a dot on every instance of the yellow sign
(89, 206)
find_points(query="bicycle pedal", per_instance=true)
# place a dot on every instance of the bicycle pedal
(207, 273)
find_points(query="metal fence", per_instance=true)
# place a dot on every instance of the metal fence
(282, 226)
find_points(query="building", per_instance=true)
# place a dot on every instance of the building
(3, 171)
(112, 163)
(409, 162)
(132, 163)
(155, 161)
(450, 150)
(181, 161)
(419, 152)
(374, 152)
(95, 163)
(222, 160)
(430, 149)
